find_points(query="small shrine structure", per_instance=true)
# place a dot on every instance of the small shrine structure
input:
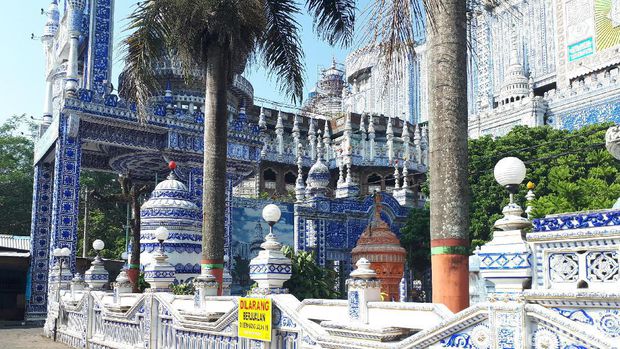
(381, 247)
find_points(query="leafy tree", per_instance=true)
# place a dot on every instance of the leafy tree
(106, 218)
(184, 288)
(309, 280)
(415, 238)
(571, 169)
(572, 172)
(16, 154)
(241, 271)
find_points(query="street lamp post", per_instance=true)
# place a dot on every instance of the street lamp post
(60, 254)
(509, 172)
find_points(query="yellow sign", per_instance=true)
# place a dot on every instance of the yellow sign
(255, 318)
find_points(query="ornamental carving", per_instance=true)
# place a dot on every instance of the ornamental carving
(563, 267)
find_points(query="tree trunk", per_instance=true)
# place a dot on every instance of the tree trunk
(449, 193)
(214, 172)
(134, 197)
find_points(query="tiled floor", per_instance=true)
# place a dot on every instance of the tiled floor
(26, 338)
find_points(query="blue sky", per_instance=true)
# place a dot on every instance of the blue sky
(22, 63)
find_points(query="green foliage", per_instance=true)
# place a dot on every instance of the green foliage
(241, 271)
(142, 284)
(16, 154)
(309, 280)
(106, 219)
(185, 288)
(416, 239)
(572, 172)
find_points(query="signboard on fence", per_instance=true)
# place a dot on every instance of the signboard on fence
(255, 318)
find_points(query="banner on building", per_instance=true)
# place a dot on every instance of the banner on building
(255, 318)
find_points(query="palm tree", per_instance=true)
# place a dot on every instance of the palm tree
(219, 37)
(449, 190)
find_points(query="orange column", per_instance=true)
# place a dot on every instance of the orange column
(450, 268)
(217, 270)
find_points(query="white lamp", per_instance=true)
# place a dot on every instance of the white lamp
(161, 234)
(65, 252)
(271, 214)
(510, 172)
(98, 245)
(57, 252)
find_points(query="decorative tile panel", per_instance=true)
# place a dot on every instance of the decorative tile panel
(36, 296)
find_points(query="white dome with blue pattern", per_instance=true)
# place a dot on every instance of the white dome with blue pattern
(171, 206)
(318, 178)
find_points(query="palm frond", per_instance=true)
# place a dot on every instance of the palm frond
(334, 20)
(281, 46)
(392, 28)
(146, 42)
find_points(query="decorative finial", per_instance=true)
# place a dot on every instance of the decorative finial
(378, 205)
(363, 270)
(262, 120)
(172, 165)
(531, 185)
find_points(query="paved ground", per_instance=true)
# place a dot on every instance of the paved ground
(26, 338)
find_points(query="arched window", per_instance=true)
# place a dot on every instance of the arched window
(374, 183)
(269, 178)
(289, 181)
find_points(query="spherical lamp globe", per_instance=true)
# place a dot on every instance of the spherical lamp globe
(98, 245)
(65, 252)
(271, 214)
(57, 252)
(161, 233)
(510, 172)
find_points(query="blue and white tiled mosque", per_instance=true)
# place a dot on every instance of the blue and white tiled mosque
(85, 126)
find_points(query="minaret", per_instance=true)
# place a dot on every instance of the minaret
(280, 134)
(389, 134)
(347, 133)
(296, 132)
(403, 194)
(49, 31)
(74, 20)
(405, 137)
(262, 124)
(168, 98)
(327, 141)
(340, 171)
(300, 188)
(416, 144)
(424, 146)
(396, 176)
(371, 136)
(312, 139)
(515, 85)
(363, 134)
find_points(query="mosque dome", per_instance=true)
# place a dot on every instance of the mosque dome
(318, 177)
(170, 206)
(382, 248)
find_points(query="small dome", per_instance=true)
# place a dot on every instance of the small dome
(171, 206)
(318, 176)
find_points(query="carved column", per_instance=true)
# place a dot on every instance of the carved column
(66, 188)
(36, 294)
